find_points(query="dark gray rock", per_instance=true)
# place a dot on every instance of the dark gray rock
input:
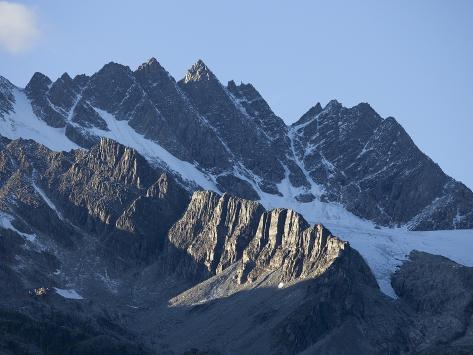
(373, 167)
(440, 293)
(37, 91)
(247, 142)
(237, 187)
(7, 99)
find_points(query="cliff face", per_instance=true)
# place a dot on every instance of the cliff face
(217, 231)
(111, 192)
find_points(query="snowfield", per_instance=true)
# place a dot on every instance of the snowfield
(383, 249)
(23, 123)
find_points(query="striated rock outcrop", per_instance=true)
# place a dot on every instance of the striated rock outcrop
(285, 241)
(217, 231)
(110, 191)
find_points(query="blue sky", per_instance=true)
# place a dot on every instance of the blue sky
(409, 59)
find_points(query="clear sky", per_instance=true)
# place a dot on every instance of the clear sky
(409, 59)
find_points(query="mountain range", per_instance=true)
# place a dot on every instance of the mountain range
(140, 214)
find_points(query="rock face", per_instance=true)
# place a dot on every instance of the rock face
(372, 166)
(110, 191)
(103, 252)
(285, 240)
(333, 154)
(6, 97)
(440, 292)
(216, 231)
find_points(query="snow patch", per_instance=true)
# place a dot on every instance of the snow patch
(23, 123)
(69, 294)
(5, 222)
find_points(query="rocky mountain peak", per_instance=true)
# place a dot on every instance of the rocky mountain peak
(110, 150)
(246, 91)
(5, 84)
(231, 134)
(199, 72)
(113, 67)
(152, 61)
(310, 114)
(333, 105)
(152, 65)
(365, 108)
(121, 162)
(39, 83)
(151, 74)
(66, 78)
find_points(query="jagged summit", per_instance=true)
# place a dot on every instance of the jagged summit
(65, 77)
(5, 83)
(111, 70)
(152, 61)
(333, 105)
(310, 114)
(152, 65)
(199, 72)
(38, 82)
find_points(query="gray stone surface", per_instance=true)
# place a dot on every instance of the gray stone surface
(7, 99)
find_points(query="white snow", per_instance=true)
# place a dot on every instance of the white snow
(23, 123)
(70, 294)
(121, 132)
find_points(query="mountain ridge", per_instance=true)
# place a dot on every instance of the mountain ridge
(236, 143)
